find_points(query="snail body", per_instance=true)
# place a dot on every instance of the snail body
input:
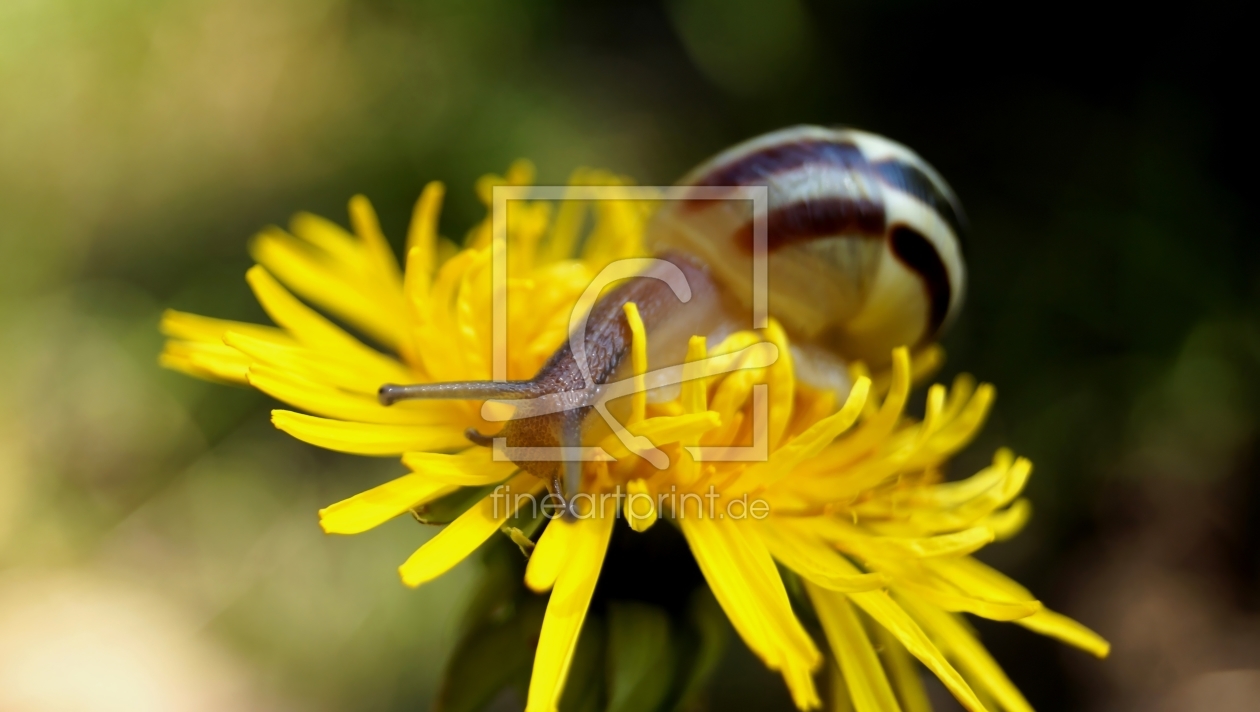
(864, 255)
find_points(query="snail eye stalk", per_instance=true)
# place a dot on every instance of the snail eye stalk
(391, 393)
(563, 479)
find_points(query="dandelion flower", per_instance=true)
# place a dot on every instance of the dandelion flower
(851, 501)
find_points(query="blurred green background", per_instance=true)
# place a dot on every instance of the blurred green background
(158, 539)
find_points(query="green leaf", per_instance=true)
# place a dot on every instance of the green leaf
(499, 588)
(491, 658)
(640, 657)
(584, 688)
(712, 632)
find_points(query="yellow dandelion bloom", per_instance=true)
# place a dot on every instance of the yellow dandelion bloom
(850, 499)
(854, 504)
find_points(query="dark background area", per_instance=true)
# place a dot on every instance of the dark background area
(1104, 155)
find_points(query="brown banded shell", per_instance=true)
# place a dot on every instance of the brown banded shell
(863, 237)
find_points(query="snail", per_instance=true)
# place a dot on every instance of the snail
(864, 254)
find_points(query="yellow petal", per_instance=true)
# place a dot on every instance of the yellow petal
(746, 584)
(521, 172)
(932, 414)
(333, 239)
(638, 362)
(808, 443)
(328, 368)
(472, 328)
(348, 285)
(565, 228)
(694, 394)
(694, 398)
(1057, 625)
(330, 402)
(423, 233)
(462, 537)
(962, 646)
(549, 555)
(640, 510)
(316, 331)
(368, 228)
(781, 379)
(815, 560)
(194, 327)
(839, 692)
(474, 467)
(902, 672)
(956, 544)
(887, 613)
(880, 606)
(859, 541)
(736, 342)
(418, 280)
(1008, 522)
(438, 322)
(954, 435)
(566, 611)
(995, 478)
(665, 429)
(959, 395)
(877, 429)
(210, 361)
(926, 362)
(812, 405)
(359, 302)
(674, 428)
(380, 504)
(979, 579)
(941, 594)
(863, 673)
(367, 438)
(950, 506)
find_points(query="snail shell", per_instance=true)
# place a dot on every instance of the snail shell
(863, 237)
